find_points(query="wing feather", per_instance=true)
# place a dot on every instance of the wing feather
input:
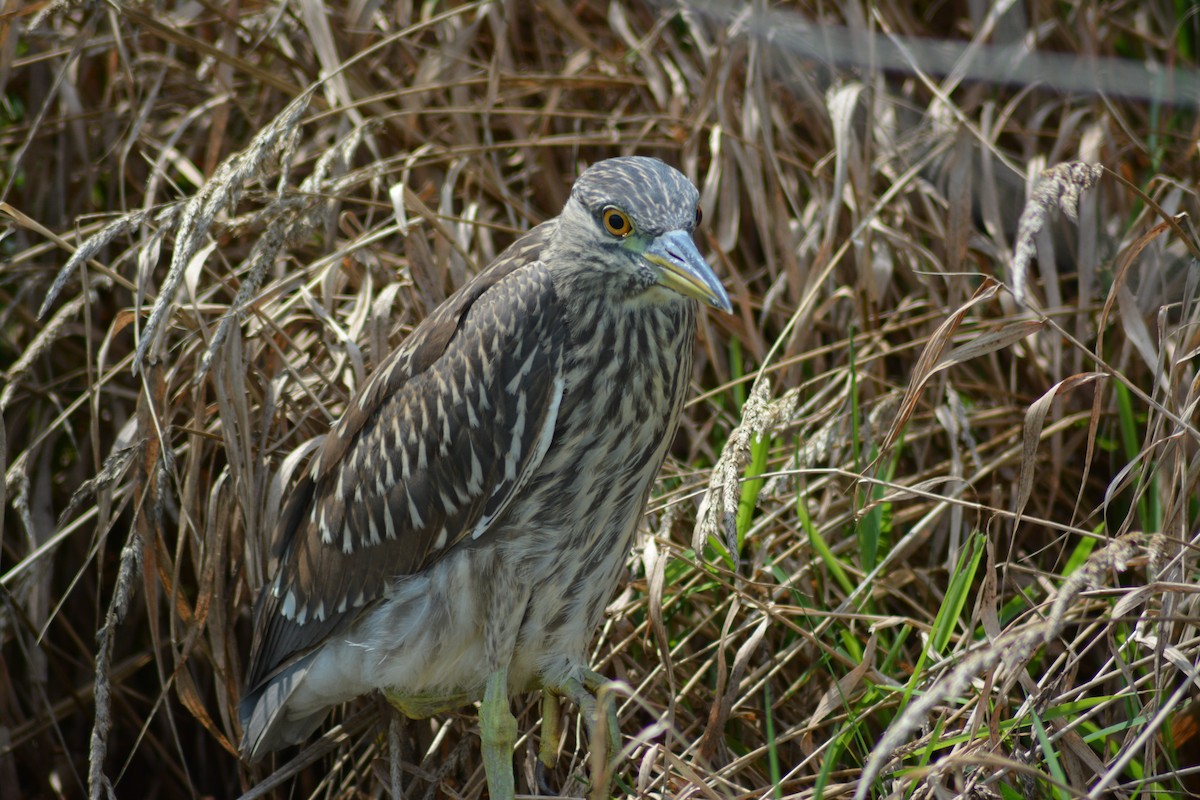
(432, 451)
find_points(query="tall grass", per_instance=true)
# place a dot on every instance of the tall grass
(931, 526)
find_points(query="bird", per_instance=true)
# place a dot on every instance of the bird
(461, 528)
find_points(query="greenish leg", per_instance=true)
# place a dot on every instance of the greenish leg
(498, 736)
(595, 682)
(591, 697)
(551, 732)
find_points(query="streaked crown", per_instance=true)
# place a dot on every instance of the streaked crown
(658, 197)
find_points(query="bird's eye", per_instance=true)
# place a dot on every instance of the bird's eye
(699, 216)
(616, 222)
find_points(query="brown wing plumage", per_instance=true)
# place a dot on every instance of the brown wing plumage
(431, 452)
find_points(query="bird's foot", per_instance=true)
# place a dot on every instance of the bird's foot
(602, 688)
(594, 698)
(498, 736)
(423, 706)
(548, 749)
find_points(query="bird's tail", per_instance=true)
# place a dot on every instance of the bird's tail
(267, 724)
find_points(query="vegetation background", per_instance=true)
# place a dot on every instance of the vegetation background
(953, 432)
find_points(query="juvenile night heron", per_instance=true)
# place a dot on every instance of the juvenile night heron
(463, 525)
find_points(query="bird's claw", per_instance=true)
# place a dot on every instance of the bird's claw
(602, 688)
(541, 776)
(593, 697)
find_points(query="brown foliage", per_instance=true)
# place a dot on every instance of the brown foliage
(248, 205)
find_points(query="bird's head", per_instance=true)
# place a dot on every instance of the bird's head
(629, 224)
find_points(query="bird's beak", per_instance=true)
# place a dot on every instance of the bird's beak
(682, 268)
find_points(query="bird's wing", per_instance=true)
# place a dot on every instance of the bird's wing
(430, 452)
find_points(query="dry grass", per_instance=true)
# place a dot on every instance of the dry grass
(967, 525)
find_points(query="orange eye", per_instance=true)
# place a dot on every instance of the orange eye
(616, 222)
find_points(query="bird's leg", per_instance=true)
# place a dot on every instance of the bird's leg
(591, 696)
(595, 683)
(548, 750)
(498, 736)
